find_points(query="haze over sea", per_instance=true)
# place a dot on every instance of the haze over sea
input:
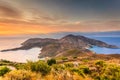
(20, 55)
(32, 54)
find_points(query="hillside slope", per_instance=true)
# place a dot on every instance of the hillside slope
(65, 46)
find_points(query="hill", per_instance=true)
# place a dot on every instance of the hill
(70, 45)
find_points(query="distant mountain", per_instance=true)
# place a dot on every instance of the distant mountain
(69, 45)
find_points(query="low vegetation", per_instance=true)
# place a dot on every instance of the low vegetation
(4, 70)
(51, 62)
(59, 69)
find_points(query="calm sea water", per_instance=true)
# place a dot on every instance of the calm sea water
(20, 55)
(109, 40)
(32, 54)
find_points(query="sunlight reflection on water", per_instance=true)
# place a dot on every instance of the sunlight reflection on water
(21, 55)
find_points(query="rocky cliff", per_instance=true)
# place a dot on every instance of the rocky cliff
(69, 45)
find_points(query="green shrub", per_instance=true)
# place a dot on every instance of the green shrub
(20, 66)
(5, 61)
(4, 70)
(68, 65)
(106, 72)
(85, 70)
(58, 67)
(51, 62)
(38, 66)
(78, 71)
(112, 72)
(100, 63)
(64, 58)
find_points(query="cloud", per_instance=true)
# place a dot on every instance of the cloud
(91, 26)
(35, 18)
(8, 11)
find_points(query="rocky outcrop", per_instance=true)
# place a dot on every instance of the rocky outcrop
(69, 45)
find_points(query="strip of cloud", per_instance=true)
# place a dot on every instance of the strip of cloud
(8, 11)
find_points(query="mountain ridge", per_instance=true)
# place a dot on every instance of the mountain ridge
(60, 47)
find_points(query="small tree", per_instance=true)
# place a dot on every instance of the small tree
(51, 62)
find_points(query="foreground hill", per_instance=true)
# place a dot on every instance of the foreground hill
(95, 67)
(69, 45)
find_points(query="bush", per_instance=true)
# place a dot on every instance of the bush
(106, 72)
(20, 66)
(85, 70)
(68, 65)
(51, 62)
(20, 75)
(78, 71)
(64, 58)
(100, 63)
(58, 67)
(74, 57)
(38, 66)
(5, 61)
(112, 73)
(4, 70)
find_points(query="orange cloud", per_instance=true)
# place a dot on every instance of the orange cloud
(13, 29)
(8, 11)
(13, 21)
(7, 28)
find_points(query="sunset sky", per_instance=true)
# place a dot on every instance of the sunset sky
(48, 16)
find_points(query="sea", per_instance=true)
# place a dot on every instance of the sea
(109, 40)
(32, 54)
(20, 55)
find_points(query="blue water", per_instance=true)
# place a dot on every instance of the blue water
(109, 40)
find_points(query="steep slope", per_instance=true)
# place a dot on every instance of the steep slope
(62, 47)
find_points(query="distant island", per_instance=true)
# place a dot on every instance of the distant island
(70, 45)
